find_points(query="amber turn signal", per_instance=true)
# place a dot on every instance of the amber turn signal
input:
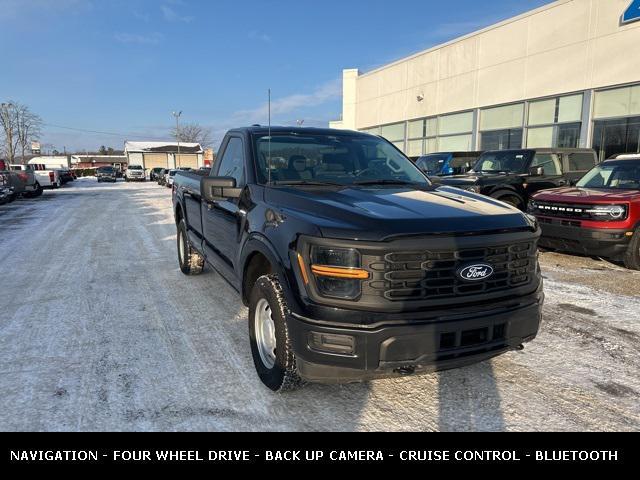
(303, 270)
(340, 272)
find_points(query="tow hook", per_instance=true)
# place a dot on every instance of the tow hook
(405, 371)
(520, 347)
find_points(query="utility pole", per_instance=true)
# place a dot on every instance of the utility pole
(177, 115)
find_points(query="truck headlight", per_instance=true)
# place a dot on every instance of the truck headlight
(608, 212)
(337, 271)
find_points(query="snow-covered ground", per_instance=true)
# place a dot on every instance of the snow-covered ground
(100, 331)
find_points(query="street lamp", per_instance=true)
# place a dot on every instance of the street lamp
(177, 115)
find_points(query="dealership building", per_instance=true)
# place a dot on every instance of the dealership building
(564, 75)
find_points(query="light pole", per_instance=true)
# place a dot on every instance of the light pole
(177, 115)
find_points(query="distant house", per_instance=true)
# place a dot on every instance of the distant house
(164, 154)
(97, 161)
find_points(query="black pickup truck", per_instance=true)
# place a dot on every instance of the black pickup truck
(353, 265)
(512, 176)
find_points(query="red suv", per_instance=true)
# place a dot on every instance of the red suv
(600, 216)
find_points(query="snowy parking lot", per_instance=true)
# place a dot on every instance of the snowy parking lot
(100, 331)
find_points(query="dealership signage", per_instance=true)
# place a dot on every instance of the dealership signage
(632, 14)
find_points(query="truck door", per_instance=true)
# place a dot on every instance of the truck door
(221, 219)
(553, 175)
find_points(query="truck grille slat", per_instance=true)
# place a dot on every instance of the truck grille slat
(425, 275)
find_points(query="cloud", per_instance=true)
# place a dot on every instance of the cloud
(150, 39)
(291, 103)
(171, 15)
(263, 37)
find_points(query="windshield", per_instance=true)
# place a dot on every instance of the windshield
(335, 160)
(503, 162)
(432, 164)
(135, 167)
(105, 169)
(624, 175)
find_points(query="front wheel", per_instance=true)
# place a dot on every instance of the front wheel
(632, 256)
(191, 262)
(271, 349)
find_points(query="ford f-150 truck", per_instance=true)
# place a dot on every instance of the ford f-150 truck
(352, 264)
(599, 217)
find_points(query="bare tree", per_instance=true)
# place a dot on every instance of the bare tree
(8, 122)
(28, 127)
(194, 133)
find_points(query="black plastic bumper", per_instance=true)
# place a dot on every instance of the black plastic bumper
(594, 242)
(399, 350)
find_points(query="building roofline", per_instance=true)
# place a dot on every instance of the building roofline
(508, 21)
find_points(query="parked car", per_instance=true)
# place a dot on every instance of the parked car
(599, 216)
(512, 176)
(135, 173)
(24, 181)
(155, 173)
(106, 174)
(168, 178)
(47, 177)
(65, 175)
(447, 163)
(5, 189)
(353, 265)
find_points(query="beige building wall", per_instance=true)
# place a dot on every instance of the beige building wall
(566, 46)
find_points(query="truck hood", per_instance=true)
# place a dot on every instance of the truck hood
(379, 213)
(580, 195)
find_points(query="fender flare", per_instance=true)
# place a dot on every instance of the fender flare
(257, 243)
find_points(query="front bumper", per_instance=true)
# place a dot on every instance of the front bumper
(441, 343)
(585, 241)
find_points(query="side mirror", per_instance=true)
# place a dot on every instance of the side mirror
(218, 188)
(536, 171)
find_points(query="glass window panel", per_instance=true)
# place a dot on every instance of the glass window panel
(634, 108)
(431, 145)
(542, 113)
(540, 137)
(415, 148)
(432, 127)
(549, 161)
(509, 116)
(372, 131)
(416, 129)
(393, 132)
(612, 103)
(501, 140)
(570, 109)
(458, 123)
(456, 143)
(568, 135)
(579, 162)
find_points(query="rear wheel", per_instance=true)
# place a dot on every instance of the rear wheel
(632, 256)
(191, 262)
(271, 348)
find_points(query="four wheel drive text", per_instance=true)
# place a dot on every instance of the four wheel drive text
(353, 265)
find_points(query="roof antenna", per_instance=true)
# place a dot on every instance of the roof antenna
(269, 148)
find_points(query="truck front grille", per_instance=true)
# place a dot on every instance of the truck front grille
(564, 210)
(426, 275)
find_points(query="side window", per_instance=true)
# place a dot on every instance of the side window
(549, 161)
(232, 161)
(581, 162)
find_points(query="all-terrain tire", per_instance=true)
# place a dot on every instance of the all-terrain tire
(191, 262)
(283, 375)
(632, 255)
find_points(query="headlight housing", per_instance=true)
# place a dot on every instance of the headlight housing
(335, 272)
(608, 212)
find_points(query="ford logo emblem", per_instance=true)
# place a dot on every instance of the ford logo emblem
(475, 273)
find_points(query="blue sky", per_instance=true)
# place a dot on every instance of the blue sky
(122, 66)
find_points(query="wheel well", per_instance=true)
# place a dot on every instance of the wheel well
(498, 194)
(178, 214)
(256, 266)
